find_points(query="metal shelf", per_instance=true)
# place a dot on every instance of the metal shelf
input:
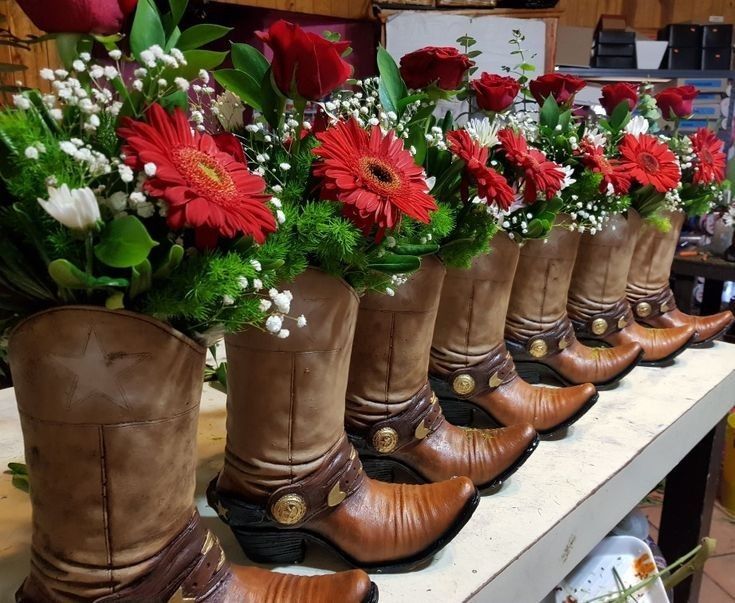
(643, 74)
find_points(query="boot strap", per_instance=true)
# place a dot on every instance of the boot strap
(495, 370)
(194, 553)
(599, 326)
(552, 341)
(654, 305)
(422, 418)
(339, 477)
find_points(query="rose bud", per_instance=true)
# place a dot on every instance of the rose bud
(78, 16)
(614, 94)
(495, 93)
(558, 85)
(676, 102)
(441, 65)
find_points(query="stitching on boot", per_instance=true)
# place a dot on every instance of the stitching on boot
(105, 506)
(292, 402)
(469, 323)
(390, 363)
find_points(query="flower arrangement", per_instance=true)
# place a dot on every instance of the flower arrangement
(117, 195)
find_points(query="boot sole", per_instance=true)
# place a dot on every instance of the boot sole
(288, 546)
(661, 363)
(462, 412)
(384, 468)
(534, 371)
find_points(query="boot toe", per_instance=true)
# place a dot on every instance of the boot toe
(709, 327)
(664, 344)
(510, 447)
(566, 407)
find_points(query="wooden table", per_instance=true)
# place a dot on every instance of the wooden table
(546, 518)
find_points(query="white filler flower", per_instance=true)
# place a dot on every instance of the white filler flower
(75, 208)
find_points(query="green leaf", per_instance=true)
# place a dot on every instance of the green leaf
(527, 67)
(272, 264)
(392, 263)
(68, 276)
(140, 281)
(392, 87)
(18, 468)
(196, 60)
(200, 35)
(173, 38)
(250, 60)
(221, 374)
(404, 102)
(21, 482)
(124, 243)
(417, 140)
(147, 28)
(474, 53)
(549, 115)
(178, 8)
(419, 250)
(619, 115)
(116, 301)
(173, 260)
(176, 99)
(242, 85)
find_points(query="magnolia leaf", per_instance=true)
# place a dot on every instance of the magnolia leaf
(173, 38)
(618, 118)
(201, 35)
(242, 85)
(221, 374)
(392, 263)
(178, 8)
(140, 280)
(147, 28)
(536, 228)
(68, 276)
(21, 482)
(115, 301)
(124, 243)
(18, 468)
(392, 88)
(549, 115)
(418, 250)
(272, 264)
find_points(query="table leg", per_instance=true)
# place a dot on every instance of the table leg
(689, 499)
(683, 288)
(712, 297)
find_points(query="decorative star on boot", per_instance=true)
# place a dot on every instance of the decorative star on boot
(97, 372)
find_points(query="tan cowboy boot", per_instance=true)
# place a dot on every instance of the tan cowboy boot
(109, 403)
(470, 368)
(291, 475)
(538, 331)
(648, 285)
(597, 304)
(392, 416)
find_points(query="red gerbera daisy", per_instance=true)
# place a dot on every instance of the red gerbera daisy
(593, 157)
(539, 173)
(204, 188)
(649, 162)
(491, 186)
(709, 158)
(373, 175)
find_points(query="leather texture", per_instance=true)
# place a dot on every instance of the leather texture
(286, 429)
(97, 392)
(469, 333)
(538, 307)
(597, 291)
(648, 279)
(285, 400)
(388, 384)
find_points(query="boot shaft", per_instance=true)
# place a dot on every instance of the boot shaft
(390, 354)
(109, 406)
(601, 268)
(285, 402)
(650, 266)
(538, 299)
(472, 309)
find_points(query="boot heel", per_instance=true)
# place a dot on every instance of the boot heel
(271, 546)
(457, 412)
(380, 469)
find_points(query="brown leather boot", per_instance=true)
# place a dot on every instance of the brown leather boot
(648, 285)
(392, 416)
(597, 304)
(109, 403)
(291, 475)
(538, 331)
(470, 368)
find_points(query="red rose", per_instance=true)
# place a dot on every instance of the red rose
(614, 94)
(442, 65)
(495, 92)
(676, 102)
(562, 87)
(229, 143)
(78, 16)
(304, 64)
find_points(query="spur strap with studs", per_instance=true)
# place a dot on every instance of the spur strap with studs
(552, 341)
(654, 305)
(484, 377)
(422, 417)
(603, 324)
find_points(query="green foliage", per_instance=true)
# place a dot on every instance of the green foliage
(392, 87)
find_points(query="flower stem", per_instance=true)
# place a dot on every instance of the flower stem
(89, 253)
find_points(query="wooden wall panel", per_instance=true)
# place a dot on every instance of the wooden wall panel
(348, 9)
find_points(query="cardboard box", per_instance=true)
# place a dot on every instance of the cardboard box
(573, 45)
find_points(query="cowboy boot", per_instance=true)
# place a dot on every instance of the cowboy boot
(471, 370)
(290, 473)
(538, 331)
(109, 403)
(597, 305)
(648, 285)
(392, 416)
